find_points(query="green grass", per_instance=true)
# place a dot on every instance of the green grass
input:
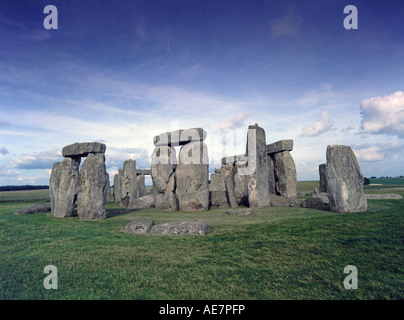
(276, 253)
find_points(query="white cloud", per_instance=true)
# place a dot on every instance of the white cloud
(234, 123)
(384, 115)
(318, 127)
(369, 154)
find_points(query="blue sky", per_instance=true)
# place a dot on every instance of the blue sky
(120, 72)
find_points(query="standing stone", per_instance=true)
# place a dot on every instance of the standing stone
(107, 190)
(344, 180)
(285, 171)
(141, 185)
(228, 172)
(241, 184)
(63, 186)
(271, 173)
(130, 191)
(217, 191)
(118, 186)
(163, 177)
(92, 184)
(322, 168)
(258, 181)
(192, 175)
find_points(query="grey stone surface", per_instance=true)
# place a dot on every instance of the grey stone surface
(271, 174)
(63, 186)
(179, 137)
(239, 212)
(192, 176)
(322, 196)
(278, 201)
(34, 208)
(322, 170)
(315, 203)
(107, 190)
(83, 149)
(186, 228)
(258, 181)
(146, 172)
(130, 184)
(144, 202)
(344, 180)
(139, 225)
(228, 171)
(117, 190)
(279, 146)
(141, 186)
(384, 196)
(217, 191)
(163, 177)
(285, 171)
(92, 184)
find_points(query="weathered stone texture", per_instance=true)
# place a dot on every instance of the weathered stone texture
(63, 186)
(344, 180)
(163, 177)
(322, 170)
(180, 137)
(285, 171)
(258, 181)
(139, 225)
(92, 183)
(186, 228)
(192, 176)
(83, 149)
(279, 146)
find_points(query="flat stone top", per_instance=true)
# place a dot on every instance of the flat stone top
(83, 149)
(179, 137)
(279, 146)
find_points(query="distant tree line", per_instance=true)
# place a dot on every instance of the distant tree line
(20, 188)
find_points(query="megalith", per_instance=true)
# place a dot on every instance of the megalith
(192, 175)
(63, 186)
(344, 180)
(258, 180)
(164, 184)
(285, 172)
(217, 190)
(93, 180)
(130, 190)
(117, 190)
(322, 168)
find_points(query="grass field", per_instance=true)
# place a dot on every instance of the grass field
(276, 253)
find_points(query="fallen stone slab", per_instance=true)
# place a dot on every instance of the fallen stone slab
(179, 137)
(322, 196)
(384, 196)
(239, 212)
(315, 203)
(279, 146)
(144, 202)
(83, 149)
(139, 225)
(278, 201)
(35, 208)
(181, 228)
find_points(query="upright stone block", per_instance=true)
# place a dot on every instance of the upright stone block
(192, 175)
(285, 171)
(344, 180)
(93, 180)
(130, 190)
(163, 165)
(228, 171)
(217, 190)
(271, 173)
(118, 186)
(258, 181)
(63, 186)
(322, 168)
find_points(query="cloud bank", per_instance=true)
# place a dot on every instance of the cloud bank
(384, 115)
